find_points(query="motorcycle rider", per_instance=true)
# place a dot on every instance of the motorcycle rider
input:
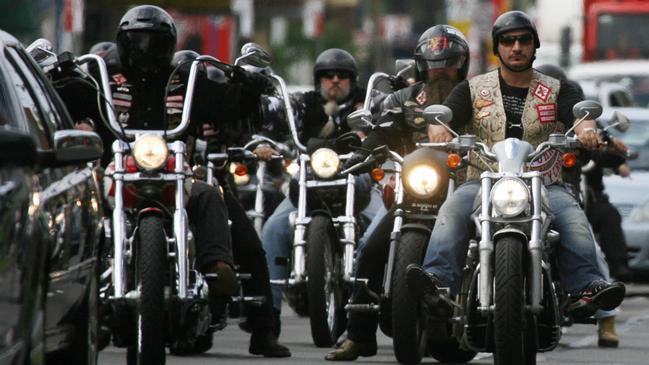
(442, 60)
(320, 117)
(514, 101)
(146, 40)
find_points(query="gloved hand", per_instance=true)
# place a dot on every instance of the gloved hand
(357, 157)
(256, 81)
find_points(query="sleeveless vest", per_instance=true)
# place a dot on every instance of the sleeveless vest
(539, 120)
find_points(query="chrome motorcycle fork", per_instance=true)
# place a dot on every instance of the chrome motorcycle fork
(209, 177)
(180, 221)
(349, 230)
(259, 197)
(119, 222)
(396, 231)
(486, 247)
(300, 225)
(536, 247)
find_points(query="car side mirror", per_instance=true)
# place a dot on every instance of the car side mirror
(618, 121)
(359, 120)
(73, 146)
(17, 149)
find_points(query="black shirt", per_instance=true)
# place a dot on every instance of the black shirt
(459, 100)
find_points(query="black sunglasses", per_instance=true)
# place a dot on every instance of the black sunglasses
(340, 74)
(510, 40)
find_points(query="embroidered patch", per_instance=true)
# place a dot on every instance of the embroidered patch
(175, 98)
(123, 118)
(174, 105)
(437, 44)
(123, 103)
(119, 79)
(421, 98)
(542, 92)
(483, 114)
(484, 93)
(547, 113)
(482, 103)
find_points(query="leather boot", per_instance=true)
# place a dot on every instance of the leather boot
(220, 278)
(265, 343)
(606, 336)
(350, 351)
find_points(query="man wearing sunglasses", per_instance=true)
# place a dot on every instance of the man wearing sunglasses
(514, 101)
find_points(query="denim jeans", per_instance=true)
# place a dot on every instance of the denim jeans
(276, 236)
(447, 247)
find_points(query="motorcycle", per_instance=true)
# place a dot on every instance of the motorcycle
(510, 292)
(159, 297)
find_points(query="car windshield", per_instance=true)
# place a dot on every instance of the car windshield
(7, 118)
(637, 138)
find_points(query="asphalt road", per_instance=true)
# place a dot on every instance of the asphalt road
(578, 344)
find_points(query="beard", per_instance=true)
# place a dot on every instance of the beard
(438, 87)
(340, 93)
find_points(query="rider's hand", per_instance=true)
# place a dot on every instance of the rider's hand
(357, 157)
(256, 81)
(619, 146)
(438, 133)
(589, 137)
(85, 125)
(624, 170)
(265, 153)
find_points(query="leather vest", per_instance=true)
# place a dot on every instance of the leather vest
(539, 120)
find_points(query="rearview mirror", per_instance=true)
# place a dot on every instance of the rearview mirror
(359, 120)
(587, 109)
(42, 52)
(405, 68)
(436, 114)
(254, 55)
(618, 121)
(73, 146)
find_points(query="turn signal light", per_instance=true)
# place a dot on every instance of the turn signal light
(378, 174)
(453, 161)
(569, 159)
(241, 170)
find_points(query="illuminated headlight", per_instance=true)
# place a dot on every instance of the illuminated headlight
(422, 181)
(325, 162)
(150, 152)
(510, 197)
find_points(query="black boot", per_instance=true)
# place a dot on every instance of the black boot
(265, 343)
(277, 325)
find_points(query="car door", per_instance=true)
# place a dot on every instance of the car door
(71, 199)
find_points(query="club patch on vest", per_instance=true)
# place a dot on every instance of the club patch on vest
(547, 113)
(119, 79)
(421, 98)
(542, 92)
(482, 103)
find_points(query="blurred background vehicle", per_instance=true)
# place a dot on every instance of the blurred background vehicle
(632, 74)
(50, 221)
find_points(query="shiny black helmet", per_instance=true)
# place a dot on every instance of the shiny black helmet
(442, 46)
(334, 59)
(146, 38)
(513, 20)
(552, 71)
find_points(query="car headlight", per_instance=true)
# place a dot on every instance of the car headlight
(422, 181)
(510, 197)
(150, 152)
(325, 162)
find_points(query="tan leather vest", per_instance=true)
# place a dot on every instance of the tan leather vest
(539, 119)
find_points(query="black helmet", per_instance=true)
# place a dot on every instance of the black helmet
(146, 38)
(442, 46)
(552, 71)
(100, 48)
(334, 59)
(513, 20)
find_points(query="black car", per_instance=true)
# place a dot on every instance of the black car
(50, 221)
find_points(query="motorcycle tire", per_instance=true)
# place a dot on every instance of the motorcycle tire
(510, 317)
(325, 295)
(408, 318)
(151, 264)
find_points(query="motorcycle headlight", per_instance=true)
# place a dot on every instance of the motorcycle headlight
(510, 197)
(422, 181)
(325, 162)
(150, 152)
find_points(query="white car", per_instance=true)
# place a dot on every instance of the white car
(633, 74)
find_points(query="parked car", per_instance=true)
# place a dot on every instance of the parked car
(631, 195)
(608, 94)
(633, 74)
(50, 221)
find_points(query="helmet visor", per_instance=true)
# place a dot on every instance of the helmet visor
(456, 61)
(148, 50)
(438, 52)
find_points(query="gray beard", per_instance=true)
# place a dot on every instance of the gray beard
(339, 99)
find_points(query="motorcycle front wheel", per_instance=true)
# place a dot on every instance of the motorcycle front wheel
(325, 294)
(151, 266)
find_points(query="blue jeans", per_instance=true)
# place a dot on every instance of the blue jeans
(276, 237)
(448, 244)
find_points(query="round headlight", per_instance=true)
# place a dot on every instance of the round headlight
(325, 162)
(510, 197)
(422, 181)
(150, 152)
